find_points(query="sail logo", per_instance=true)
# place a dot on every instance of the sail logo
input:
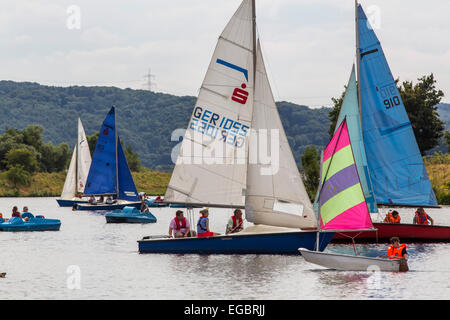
(239, 94)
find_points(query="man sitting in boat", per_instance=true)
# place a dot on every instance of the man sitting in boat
(421, 217)
(235, 223)
(203, 225)
(179, 226)
(392, 217)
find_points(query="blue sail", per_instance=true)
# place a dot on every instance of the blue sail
(397, 171)
(127, 188)
(350, 111)
(102, 177)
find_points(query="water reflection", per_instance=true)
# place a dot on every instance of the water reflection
(112, 268)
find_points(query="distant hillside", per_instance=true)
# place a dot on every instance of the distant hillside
(145, 119)
(444, 114)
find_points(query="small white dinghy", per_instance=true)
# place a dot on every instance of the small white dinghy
(342, 205)
(344, 262)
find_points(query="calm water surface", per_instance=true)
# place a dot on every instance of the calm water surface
(89, 259)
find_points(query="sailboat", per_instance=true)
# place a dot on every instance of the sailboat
(343, 207)
(78, 171)
(218, 163)
(388, 158)
(109, 174)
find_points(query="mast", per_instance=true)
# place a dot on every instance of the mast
(358, 87)
(254, 39)
(358, 77)
(77, 154)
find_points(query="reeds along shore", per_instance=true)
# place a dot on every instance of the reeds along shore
(438, 168)
(155, 182)
(44, 184)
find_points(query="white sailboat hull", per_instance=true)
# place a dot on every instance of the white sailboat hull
(344, 262)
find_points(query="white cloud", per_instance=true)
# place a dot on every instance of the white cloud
(309, 45)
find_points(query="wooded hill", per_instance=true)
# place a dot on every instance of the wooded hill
(145, 119)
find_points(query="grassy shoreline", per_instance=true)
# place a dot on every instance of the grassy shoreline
(50, 184)
(155, 182)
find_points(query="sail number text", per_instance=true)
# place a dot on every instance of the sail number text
(390, 97)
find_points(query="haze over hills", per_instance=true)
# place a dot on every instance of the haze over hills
(146, 119)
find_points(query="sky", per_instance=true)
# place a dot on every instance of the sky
(308, 45)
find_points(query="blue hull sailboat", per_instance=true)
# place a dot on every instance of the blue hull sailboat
(218, 165)
(77, 172)
(130, 215)
(239, 243)
(109, 174)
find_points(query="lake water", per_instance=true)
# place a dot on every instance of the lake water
(89, 259)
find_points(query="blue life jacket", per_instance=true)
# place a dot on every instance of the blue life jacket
(201, 225)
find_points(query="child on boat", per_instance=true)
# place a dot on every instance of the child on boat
(398, 251)
(421, 217)
(203, 225)
(15, 212)
(392, 217)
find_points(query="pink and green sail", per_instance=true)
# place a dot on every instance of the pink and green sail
(342, 205)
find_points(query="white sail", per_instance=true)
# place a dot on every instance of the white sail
(84, 158)
(212, 162)
(275, 195)
(69, 188)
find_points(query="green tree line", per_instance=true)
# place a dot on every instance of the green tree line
(23, 152)
(420, 100)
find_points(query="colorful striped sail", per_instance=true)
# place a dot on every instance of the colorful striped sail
(342, 205)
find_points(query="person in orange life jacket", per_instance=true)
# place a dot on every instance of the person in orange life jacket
(392, 217)
(235, 223)
(203, 225)
(397, 250)
(421, 217)
(179, 226)
(388, 217)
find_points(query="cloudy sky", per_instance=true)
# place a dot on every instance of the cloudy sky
(309, 45)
